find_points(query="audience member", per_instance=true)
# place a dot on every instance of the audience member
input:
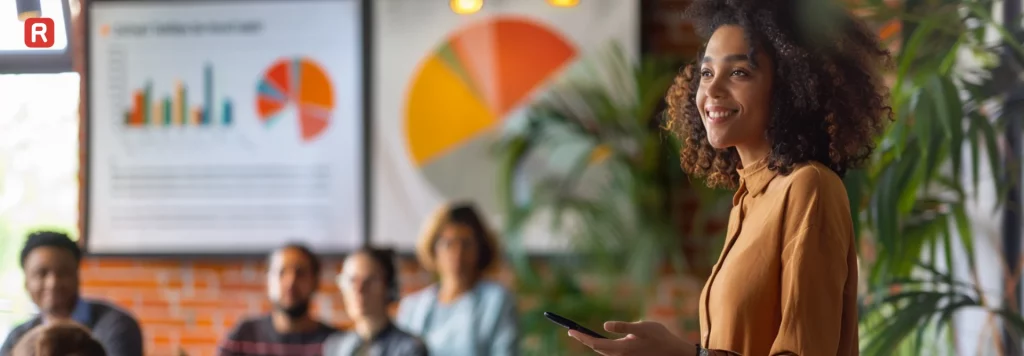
(462, 314)
(50, 261)
(293, 275)
(60, 338)
(368, 284)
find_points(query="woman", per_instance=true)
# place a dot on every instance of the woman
(462, 314)
(780, 117)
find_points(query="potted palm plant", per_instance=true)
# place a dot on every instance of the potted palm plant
(912, 201)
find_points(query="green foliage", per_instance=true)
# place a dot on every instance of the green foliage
(592, 155)
(912, 199)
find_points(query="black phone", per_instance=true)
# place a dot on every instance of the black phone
(571, 325)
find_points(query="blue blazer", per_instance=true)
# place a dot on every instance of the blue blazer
(486, 324)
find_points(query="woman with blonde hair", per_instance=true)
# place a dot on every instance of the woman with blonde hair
(463, 313)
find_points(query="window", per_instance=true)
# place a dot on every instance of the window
(38, 174)
(15, 57)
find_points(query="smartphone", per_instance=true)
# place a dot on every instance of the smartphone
(571, 325)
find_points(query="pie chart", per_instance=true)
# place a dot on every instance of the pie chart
(462, 91)
(300, 84)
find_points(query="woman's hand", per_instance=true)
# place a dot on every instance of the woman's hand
(645, 338)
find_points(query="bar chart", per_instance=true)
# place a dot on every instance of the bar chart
(213, 129)
(173, 109)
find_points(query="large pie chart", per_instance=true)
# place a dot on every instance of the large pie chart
(301, 84)
(463, 91)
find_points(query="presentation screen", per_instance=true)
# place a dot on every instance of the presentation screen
(445, 87)
(224, 127)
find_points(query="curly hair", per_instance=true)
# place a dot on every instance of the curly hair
(828, 102)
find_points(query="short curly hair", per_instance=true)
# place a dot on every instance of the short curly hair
(46, 238)
(829, 102)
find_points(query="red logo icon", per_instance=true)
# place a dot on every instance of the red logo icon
(39, 32)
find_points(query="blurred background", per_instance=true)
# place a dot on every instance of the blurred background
(553, 126)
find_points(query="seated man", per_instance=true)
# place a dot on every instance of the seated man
(293, 275)
(50, 261)
(61, 338)
(368, 284)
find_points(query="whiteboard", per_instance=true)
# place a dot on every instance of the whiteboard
(445, 83)
(224, 127)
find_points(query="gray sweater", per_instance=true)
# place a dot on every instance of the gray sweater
(389, 342)
(113, 327)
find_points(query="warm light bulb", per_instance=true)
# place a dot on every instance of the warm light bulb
(28, 15)
(465, 7)
(564, 3)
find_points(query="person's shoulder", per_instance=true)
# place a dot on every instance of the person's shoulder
(495, 296)
(493, 289)
(109, 311)
(338, 343)
(816, 196)
(409, 344)
(19, 331)
(403, 334)
(813, 178)
(248, 328)
(338, 336)
(26, 326)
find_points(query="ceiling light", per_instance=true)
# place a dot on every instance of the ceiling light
(563, 3)
(466, 7)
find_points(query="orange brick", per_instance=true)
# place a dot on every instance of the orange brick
(154, 303)
(114, 262)
(162, 339)
(163, 264)
(114, 275)
(235, 286)
(200, 351)
(155, 331)
(107, 283)
(162, 350)
(126, 302)
(204, 303)
(200, 338)
(204, 321)
(223, 308)
(162, 321)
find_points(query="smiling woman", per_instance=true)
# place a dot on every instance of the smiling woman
(822, 82)
(780, 111)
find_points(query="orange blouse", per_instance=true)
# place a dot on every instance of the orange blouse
(786, 282)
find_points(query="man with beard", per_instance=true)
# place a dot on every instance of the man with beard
(293, 275)
(51, 262)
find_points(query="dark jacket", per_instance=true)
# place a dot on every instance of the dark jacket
(113, 327)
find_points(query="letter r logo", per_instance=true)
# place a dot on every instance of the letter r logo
(39, 32)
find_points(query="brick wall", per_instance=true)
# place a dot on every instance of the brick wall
(189, 304)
